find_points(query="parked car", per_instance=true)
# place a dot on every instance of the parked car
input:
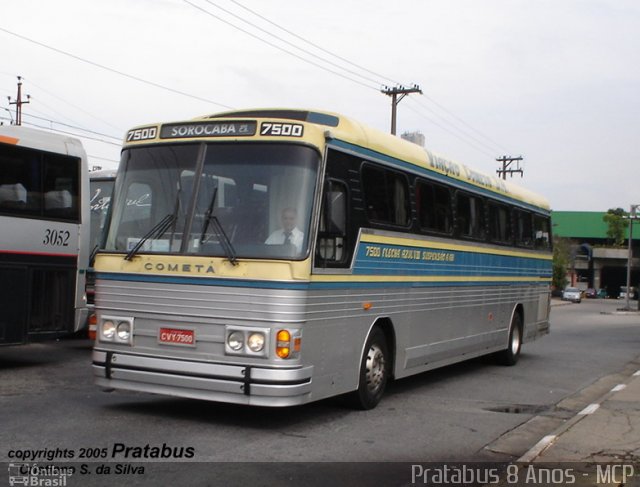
(591, 293)
(572, 294)
(602, 293)
(623, 292)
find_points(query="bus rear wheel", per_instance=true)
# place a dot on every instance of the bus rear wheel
(511, 354)
(374, 372)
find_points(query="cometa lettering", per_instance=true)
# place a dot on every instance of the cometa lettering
(186, 268)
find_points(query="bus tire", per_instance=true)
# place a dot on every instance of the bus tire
(511, 354)
(374, 371)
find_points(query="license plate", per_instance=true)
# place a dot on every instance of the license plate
(177, 336)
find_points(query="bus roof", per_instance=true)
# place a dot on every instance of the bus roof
(41, 140)
(341, 130)
(103, 174)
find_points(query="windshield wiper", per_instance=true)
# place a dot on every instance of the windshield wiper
(158, 229)
(208, 213)
(223, 239)
(156, 232)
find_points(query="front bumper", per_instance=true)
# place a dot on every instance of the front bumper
(239, 384)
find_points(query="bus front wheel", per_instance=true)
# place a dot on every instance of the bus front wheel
(374, 371)
(511, 354)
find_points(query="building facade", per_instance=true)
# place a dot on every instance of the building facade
(594, 262)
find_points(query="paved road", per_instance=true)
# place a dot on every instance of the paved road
(459, 413)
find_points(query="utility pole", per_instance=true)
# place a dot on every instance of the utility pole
(632, 217)
(19, 102)
(395, 99)
(506, 162)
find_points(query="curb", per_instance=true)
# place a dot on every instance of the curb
(548, 441)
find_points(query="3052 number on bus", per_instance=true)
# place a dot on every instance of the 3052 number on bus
(56, 238)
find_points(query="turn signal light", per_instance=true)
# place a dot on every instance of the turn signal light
(93, 326)
(283, 345)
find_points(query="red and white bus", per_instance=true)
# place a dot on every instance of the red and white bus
(44, 235)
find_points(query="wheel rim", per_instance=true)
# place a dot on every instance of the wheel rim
(376, 367)
(515, 340)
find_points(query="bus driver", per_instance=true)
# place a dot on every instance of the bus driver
(289, 234)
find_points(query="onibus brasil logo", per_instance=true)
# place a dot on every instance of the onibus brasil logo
(40, 476)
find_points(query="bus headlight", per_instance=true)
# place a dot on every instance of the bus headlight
(124, 331)
(108, 329)
(251, 342)
(115, 330)
(235, 340)
(255, 342)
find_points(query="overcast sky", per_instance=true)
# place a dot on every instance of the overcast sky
(556, 81)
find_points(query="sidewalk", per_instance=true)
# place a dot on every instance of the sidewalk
(601, 444)
(605, 431)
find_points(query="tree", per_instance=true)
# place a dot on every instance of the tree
(561, 256)
(614, 218)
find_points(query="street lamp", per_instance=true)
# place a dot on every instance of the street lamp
(632, 217)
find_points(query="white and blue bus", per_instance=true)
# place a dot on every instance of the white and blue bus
(285, 256)
(44, 232)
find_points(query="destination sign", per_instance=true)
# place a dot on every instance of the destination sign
(208, 129)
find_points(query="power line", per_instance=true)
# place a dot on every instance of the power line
(158, 85)
(440, 106)
(308, 61)
(489, 139)
(91, 156)
(65, 132)
(314, 45)
(19, 119)
(455, 127)
(74, 127)
(51, 113)
(460, 120)
(446, 129)
(113, 70)
(72, 105)
(289, 43)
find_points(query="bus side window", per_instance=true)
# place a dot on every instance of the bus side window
(386, 194)
(61, 183)
(541, 230)
(333, 224)
(470, 216)
(13, 195)
(524, 228)
(499, 223)
(434, 207)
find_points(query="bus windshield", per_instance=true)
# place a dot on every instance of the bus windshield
(101, 189)
(220, 200)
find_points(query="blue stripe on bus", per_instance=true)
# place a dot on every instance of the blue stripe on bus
(437, 262)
